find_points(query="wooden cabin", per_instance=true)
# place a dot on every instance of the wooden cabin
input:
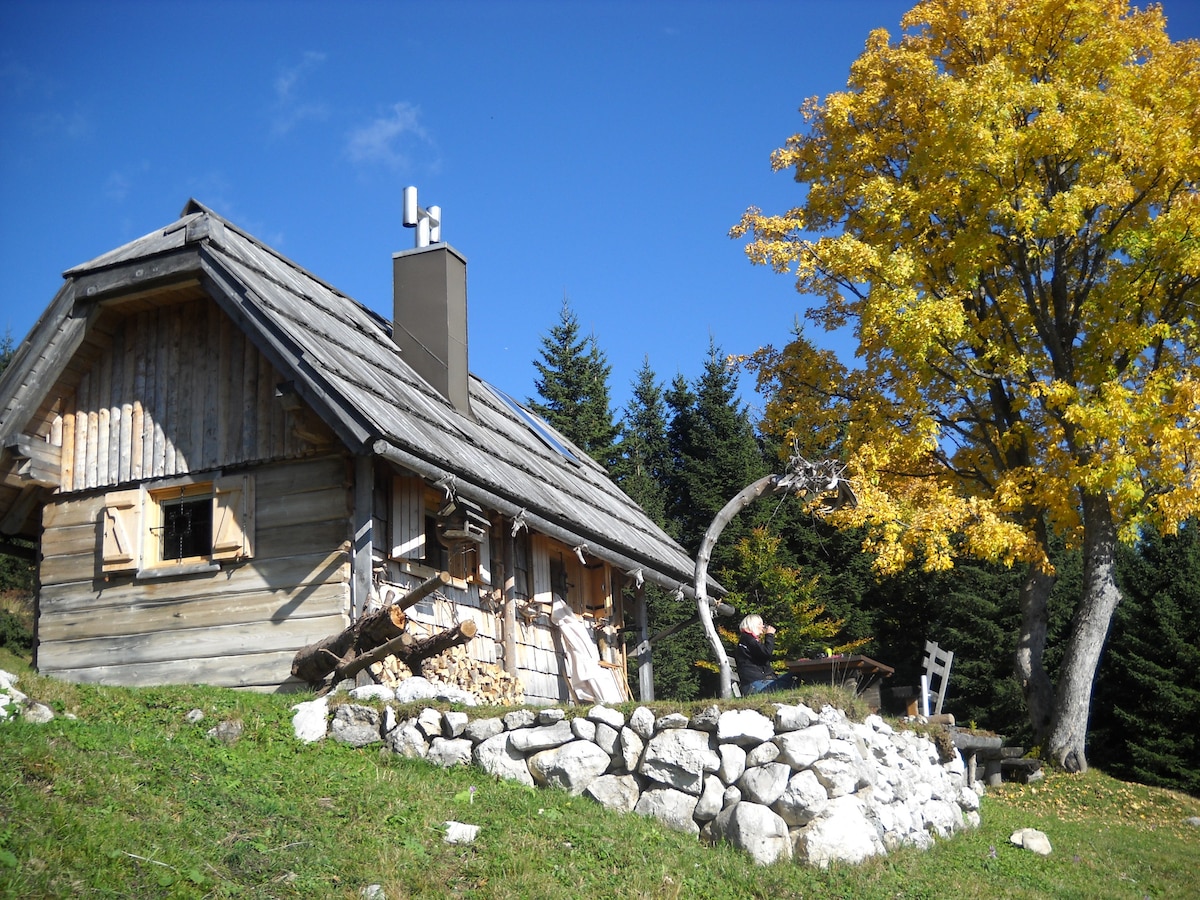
(221, 459)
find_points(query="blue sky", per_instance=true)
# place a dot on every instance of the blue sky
(599, 151)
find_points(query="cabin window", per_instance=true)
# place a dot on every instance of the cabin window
(184, 532)
(187, 523)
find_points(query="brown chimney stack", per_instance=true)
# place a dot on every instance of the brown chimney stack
(429, 318)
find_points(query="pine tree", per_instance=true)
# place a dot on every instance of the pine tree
(573, 385)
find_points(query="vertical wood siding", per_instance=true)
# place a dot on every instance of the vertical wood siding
(176, 388)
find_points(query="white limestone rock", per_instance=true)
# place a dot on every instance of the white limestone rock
(732, 795)
(619, 792)
(479, 730)
(571, 766)
(519, 718)
(449, 752)
(793, 718)
(460, 832)
(877, 724)
(800, 749)
(753, 828)
(356, 725)
(670, 720)
(610, 717)
(550, 715)
(583, 729)
(415, 688)
(630, 746)
(764, 784)
(542, 737)
(1033, 840)
(842, 833)
(408, 741)
(712, 799)
(606, 738)
(429, 722)
(706, 719)
(35, 713)
(454, 723)
(764, 753)
(802, 800)
(496, 756)
(642, 722)
(673, 808)
(744, 727)
(733, 762)
(372, 692)
(311, 720)
(679, 758)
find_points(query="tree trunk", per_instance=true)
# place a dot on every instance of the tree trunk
(1031, 643)
(744, 497)
(1089, 629)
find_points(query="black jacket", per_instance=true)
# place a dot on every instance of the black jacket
(753, 658)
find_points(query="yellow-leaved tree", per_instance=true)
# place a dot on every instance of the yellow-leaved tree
(1003, 204)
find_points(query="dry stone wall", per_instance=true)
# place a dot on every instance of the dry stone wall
(801, 784)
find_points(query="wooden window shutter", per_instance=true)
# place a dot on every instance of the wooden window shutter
(122, 531)
(233, 517)
(542, 588)
(408, 518)
(484, 567)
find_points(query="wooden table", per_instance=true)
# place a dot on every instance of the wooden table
(861, 671)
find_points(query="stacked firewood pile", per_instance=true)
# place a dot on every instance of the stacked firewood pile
(457, 668)
(376, 637)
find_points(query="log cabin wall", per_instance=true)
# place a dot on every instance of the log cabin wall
(538, 664)
(237, 626)
(171, 391)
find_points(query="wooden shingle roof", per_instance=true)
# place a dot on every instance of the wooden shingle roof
(343, 362)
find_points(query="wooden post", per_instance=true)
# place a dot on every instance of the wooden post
(509, 599)
(641, 617)
(362, 559)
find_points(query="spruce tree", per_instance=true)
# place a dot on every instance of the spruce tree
(1147, 710)
(643, 459)
(16, 572)
(573, 386)
(714, 453)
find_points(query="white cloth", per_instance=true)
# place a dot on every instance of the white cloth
(591, 681)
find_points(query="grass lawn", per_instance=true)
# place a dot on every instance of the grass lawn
(132, 800)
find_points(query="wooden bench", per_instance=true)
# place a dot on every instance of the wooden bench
(999, 763)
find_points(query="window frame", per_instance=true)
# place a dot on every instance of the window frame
(132, 522)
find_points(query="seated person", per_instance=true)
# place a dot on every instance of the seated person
(756, 646)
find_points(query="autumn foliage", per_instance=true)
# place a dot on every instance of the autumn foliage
(1003, 205)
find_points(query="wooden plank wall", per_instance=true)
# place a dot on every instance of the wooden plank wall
(174, 388)
(238, 627)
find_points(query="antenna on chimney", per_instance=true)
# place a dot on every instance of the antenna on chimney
(428, 222)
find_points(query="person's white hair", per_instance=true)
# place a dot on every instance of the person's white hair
(752, 624)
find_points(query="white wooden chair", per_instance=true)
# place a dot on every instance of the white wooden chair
(937, 663)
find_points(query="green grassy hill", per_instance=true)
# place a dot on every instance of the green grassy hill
(131, 799)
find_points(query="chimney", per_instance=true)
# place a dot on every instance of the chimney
(429, 318)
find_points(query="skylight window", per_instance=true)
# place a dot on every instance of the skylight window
(539, 426)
